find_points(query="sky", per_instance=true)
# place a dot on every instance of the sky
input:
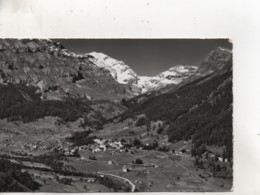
(149, 57)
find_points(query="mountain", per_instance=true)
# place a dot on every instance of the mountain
(217, 60)
(199, 109)
(174, 75)
(48, 70)
(20, 102)
(57, 73)
(123, 74)
(97, 80)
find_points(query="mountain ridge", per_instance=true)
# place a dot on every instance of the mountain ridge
(123, 74)
(58, 72)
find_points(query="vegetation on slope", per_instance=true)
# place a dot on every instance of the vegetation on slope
(58, 71)
(81, 138)
(201, 111)
(13, 179)
(19, 102)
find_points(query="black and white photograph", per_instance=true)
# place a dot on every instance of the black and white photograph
(118, 115)
(119, 97)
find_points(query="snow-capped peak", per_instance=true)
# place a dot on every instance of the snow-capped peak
(174, 75)
(224, 49)
(121, 72)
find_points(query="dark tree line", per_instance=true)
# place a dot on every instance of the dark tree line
(81, 138)
(12, 179)
(19, 102)
(210, 122)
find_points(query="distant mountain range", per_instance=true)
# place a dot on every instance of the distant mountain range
(59, 73)
(123, 74)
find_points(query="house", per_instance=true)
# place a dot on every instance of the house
(91, 180)
(153, 165)
(220, 159)
(110, 162)
(96, 150)
(144, 134)
(138, 182)
(125, 169)
(103, 147)
(146, 172)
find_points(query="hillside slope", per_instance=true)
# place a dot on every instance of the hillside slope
(200, 110)
(19, 102)
(58, 73)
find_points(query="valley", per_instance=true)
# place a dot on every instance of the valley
(112, 157)
(88, 123)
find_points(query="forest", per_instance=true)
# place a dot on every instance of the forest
(81, 138)
(200, 110)
(19, 102)
(13, 179)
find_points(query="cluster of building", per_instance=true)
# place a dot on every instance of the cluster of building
(103, 144)
(209, 156)
(31, 146)
(67, 150)
(179, 153)
(99, 145)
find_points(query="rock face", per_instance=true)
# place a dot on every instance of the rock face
(58, 73)
(219, 59)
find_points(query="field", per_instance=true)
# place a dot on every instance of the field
(160, 171)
